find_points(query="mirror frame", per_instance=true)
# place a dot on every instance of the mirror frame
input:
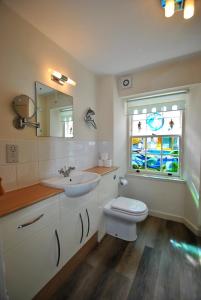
(28, 98)
(36, 103)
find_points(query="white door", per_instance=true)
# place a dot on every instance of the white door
(108, 188)
(91, 219)
(72, 226)
(32, 263)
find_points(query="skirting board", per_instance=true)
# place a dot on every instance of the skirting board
(166, 216)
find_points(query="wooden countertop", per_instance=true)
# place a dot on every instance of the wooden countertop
(18, 199)
(102, 170)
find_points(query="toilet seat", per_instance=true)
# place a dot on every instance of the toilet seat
(129, 206)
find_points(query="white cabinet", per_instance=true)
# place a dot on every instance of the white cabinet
(40, 239)
(79, 222)
(31, 248)
(30, 265)
(107, 190)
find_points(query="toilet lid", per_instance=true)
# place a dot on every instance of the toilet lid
(129, 205)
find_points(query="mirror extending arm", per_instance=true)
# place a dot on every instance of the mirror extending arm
(21, 123)
(31, 124)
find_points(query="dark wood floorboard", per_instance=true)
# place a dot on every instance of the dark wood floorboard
(164, 263)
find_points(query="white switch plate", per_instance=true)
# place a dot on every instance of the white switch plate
(11, 153)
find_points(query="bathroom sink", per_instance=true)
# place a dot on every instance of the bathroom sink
(77, 184)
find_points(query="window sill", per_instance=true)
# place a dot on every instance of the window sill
(156, 177)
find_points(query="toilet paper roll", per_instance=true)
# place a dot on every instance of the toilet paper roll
(123, 181)
(104, 156)
(108, 163)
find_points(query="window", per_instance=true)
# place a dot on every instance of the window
(67, 122)
(155, 134)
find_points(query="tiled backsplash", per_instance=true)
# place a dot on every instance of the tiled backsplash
(41, 158)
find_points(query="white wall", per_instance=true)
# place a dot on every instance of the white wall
(192, 146)
(112, 122)
(119, 130)
(26, 56)
(172, 200)
(105, 107)
(161, 196)
(169, 74)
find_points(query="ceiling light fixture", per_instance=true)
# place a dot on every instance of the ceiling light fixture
(169, 8)
(61, 79)
(189, 9)
(172, 6)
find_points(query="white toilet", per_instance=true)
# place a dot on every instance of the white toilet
(121, 216)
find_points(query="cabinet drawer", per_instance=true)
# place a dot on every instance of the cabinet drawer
(18, 226)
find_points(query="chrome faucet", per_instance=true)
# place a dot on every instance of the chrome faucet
(66, 172)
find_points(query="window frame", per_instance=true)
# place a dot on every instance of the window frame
(150, 172)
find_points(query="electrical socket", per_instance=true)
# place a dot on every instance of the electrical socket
(11, 153)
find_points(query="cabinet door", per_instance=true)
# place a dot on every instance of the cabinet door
(78, 222)
(72, 226)
(108, 188)
(91, 219)
(37, 216)
(31, 264)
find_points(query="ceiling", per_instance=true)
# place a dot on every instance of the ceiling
(113, 36)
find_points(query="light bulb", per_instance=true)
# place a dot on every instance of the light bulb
(70, 81)
(189, 8)
(57, 74)
(169, 8)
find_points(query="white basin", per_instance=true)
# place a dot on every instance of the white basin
(77, 184)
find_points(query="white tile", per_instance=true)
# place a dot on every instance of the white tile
(44, 156)
(68, 148)
(73, 162)
(105, 147)
(61, 162)
(47, 169)
(27, 174)
(60, 150)
(46, 149)
(8, 175)
(28, 151)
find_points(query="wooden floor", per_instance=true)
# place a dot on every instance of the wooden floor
(163, 263)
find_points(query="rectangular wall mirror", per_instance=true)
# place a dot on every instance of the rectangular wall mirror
(54, 112)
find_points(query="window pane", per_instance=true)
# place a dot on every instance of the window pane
(171, 152)
(163, 123)
(154, 153)
(138, 153)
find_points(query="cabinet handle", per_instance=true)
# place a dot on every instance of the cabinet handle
(88, 222)
(30, 222)
(82, 228)
(59, 248)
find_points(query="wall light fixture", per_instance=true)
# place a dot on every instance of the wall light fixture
(172, 6)
(61, 79)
